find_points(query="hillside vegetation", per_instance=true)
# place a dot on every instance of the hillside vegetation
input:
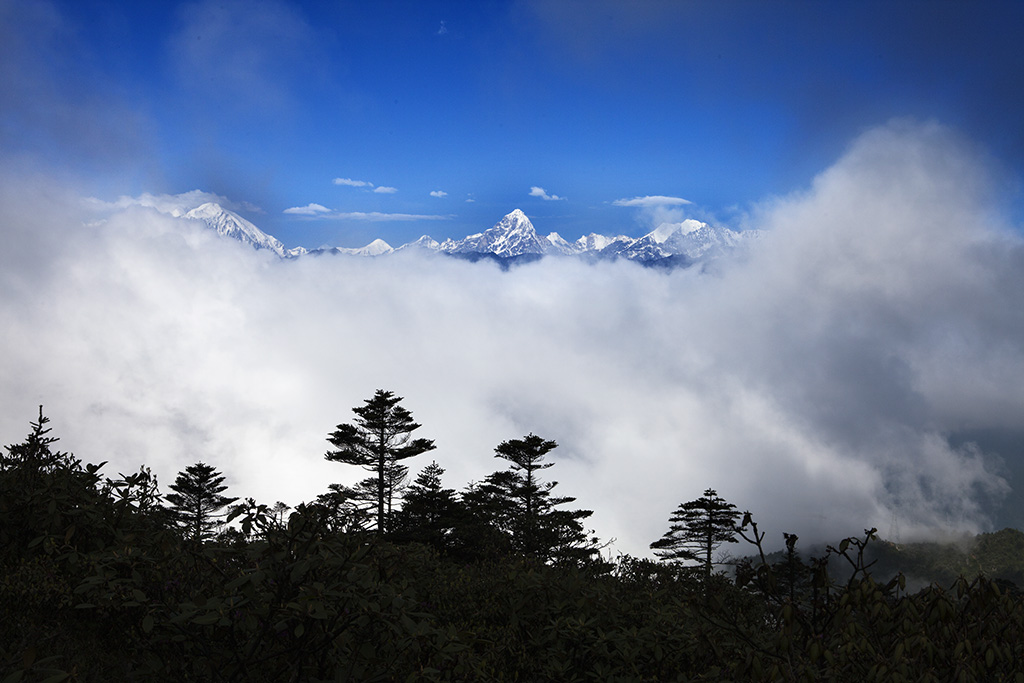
(101, 579)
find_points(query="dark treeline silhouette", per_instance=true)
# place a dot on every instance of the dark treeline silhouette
(107, 579)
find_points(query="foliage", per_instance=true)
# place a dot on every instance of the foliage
(520, 505)
(380, 437)
(97, 583)
(197, 500)
(997, 555)
(697, 528)
(866, 630)
(430, 513)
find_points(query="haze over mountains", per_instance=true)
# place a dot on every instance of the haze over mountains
(513, 239)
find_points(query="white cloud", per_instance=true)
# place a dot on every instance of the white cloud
(439, 193)
(352, 183)
(443, 30)
(172, 204)
(379, 189)
(539, 192)
(815, 381)
(651, 201)
(308, 210)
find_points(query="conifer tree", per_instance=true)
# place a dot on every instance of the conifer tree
(363, 495)
(43, 491)
(34, 456)
(197, 501)
(380, 437)
(697, 529)
(429, 511)
(522, 505)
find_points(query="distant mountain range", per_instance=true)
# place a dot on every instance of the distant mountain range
(514, 239)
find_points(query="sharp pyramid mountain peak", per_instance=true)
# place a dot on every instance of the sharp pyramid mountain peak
(513, 235)
(376, 248)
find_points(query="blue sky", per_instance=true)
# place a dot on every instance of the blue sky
(450, 113)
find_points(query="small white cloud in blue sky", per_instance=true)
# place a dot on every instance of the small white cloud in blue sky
(652, 200)
(443, 30)
(439, 193)
(308, 210)
(383, 189)
(539, 192)
(352, 183)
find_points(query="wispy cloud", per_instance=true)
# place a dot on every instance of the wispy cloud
(172, 204)
(652, 201)
(308, 210)
(379, 189)
(442, 30)
(439, 193)
(539, 192)
(241, 54)
(379, 217)
(352, 183)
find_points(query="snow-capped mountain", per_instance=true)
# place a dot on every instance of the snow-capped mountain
(378, 247)
(691, 238)
(426, 242)
(595, 242)
(230, 224)
(513, 239)
(514, 235)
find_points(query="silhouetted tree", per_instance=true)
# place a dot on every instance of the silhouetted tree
(43, 491)
(485, 527)
(197, 500)
(520, 504)
(380, 437)
(697, 529)
(429, 511)
(34, 456)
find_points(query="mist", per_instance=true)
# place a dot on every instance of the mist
(819, 379)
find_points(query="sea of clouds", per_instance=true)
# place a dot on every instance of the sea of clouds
(819, 379)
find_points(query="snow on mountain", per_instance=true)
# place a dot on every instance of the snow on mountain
(378, 247)
(510, 238)
(560, 245)
(424, 243)
(374, 248)
(513, 235)
(666, 231)
(595, 242)
(230, 224)
(693, 239)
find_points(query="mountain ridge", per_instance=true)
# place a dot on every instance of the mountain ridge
(512, 239)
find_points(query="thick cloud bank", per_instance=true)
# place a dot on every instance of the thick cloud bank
(819, 380)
